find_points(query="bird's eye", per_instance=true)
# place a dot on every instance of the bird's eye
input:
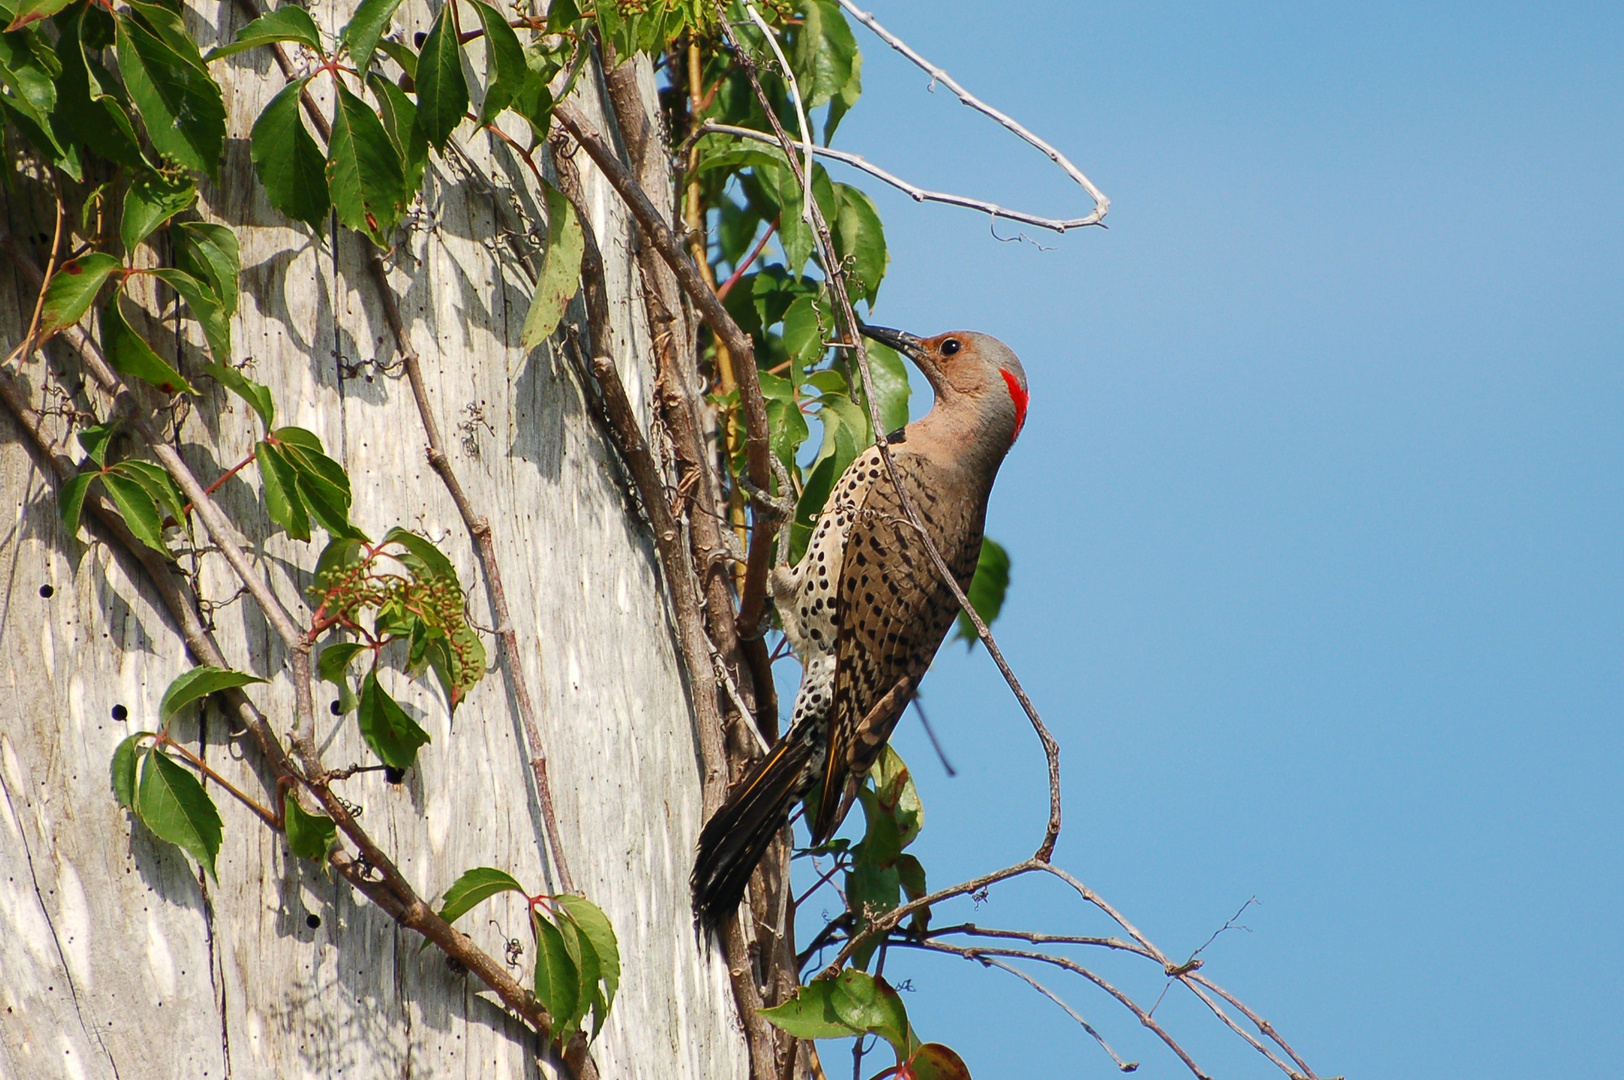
(950, 347)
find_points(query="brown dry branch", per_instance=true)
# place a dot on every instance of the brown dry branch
(752, 603)
(696, 622)
(979, 954)
(374, 873)
(479, 530)
(913, 191)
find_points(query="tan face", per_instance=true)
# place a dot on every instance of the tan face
(966, 365)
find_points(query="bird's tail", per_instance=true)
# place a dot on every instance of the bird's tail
(736, 837)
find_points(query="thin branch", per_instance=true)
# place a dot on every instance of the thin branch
(894, 918)
(982, 955)
(930, 733)
(1218, 1011)
(479, 528)
(665, 241)
(913, 191)
(938, 75)
(1262, 1025)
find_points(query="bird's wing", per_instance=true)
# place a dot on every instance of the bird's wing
(892, 611)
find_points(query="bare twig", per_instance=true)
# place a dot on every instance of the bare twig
(938, 75)
(982, 955)
(479, 528)
(930, 733)
(913, 191)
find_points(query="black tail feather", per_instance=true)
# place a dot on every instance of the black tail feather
(736, 837)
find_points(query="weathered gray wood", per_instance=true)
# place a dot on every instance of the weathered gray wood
(116, 959)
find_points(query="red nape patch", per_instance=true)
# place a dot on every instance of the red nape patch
(1020, 398)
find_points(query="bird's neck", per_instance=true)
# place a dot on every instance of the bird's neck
(956, 435)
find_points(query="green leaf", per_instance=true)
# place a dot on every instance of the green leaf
(561, 15)
(341, 553)
(30, 76)
(934, 1061)
(870, 893)
(152, 200)
(824, 56)
(442, 90)
(400, 54)
(71, 501)
(30, 101)
(911, 874)
(208, 250)
(987, 589)
(158, 483)
(180, 104)
(73, 289)
(137, 508)
(257, 396)
(321, 482)
(804, 327)
(289, 162)
(310, 836)
(286, 23)
(505, 67)
(891, 385)
(400, 120)
(199, 683)
(205, 308)
(129, 353)
(860, 242)
(281, 487)
(172, 803)
(595, 925)
(335, 660)
(475, 887)
(125, 759)
(867, 1003)
(393, 736)
(894, 786)
(422, 557)
(810, 1014)
(585, 958)
(304, 449)
(787, 429)
(95, 439)
(363, 169)
(29, 11)
(332, 667)
(366, 26)
(534, 101)
(557, 980)
(882, 840)
(560, 271)
(820, 480)
(97, 116)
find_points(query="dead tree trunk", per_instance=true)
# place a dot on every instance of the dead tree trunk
(117, 959)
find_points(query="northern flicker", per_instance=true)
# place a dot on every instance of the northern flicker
(865, 609)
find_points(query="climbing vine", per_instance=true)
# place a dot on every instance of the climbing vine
(115, 109)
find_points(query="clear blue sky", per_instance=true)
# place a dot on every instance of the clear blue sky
(1316, 521)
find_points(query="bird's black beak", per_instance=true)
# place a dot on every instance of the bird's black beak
(906, 344)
